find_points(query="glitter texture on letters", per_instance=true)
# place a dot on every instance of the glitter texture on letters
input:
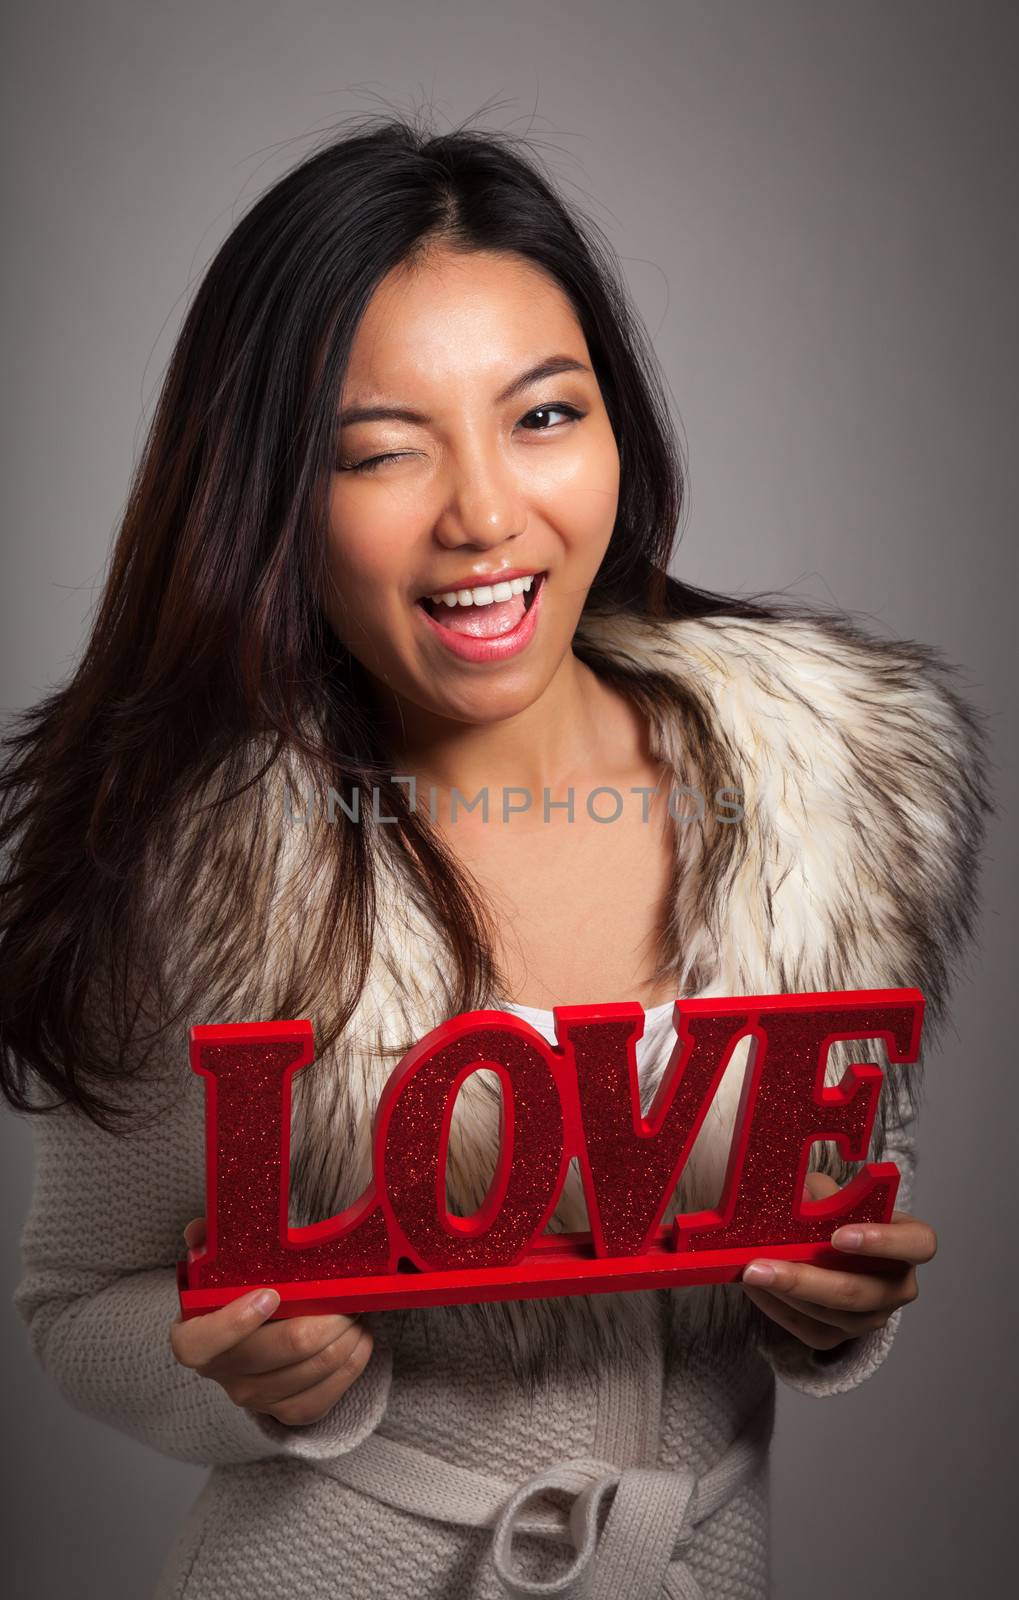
(399, 1245)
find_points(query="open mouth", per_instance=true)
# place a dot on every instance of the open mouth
(484, 620)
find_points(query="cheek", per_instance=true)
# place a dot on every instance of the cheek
(352, 568)
(585, 498)
(367, 551)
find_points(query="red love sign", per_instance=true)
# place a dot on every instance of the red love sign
(399, 1245)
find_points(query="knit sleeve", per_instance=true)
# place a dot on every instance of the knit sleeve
(98, 1295)
(826, 1372)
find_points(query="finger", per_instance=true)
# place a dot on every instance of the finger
(284, 1345)
(853, 1324)
(830, 1290)
(308, 1403)
(819, 1335)
(905, 1238)
(818, 1185)
(194, 1233)
(199, 1340)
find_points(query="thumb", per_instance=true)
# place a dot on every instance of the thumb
(817, 1185)
(194, 1233)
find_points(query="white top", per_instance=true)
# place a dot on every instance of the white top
(541, 1018)
(655, 1043)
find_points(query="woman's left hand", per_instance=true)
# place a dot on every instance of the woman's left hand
(823, 1307)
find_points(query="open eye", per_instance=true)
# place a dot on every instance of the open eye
(544, 411)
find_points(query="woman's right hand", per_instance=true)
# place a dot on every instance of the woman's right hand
(294, 1370)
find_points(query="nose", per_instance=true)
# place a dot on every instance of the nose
(484, 506)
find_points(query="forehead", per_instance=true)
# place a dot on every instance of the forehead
(459, 315)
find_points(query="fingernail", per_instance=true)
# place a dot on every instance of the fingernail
(848, 1238)
(760, 1272)
(264, 1301)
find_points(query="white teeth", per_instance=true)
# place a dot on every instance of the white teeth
(485, 594)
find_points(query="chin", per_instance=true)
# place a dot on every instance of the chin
(485, 704)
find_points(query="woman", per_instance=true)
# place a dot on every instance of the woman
(391, 597)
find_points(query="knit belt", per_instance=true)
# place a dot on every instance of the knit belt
(637, 1550)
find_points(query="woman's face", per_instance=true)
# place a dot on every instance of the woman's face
(491, 467)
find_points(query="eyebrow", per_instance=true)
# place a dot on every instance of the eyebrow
(549, 368)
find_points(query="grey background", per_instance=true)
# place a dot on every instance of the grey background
(816, 209)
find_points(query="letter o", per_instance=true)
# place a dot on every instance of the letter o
(411, 1164)
(604, 788)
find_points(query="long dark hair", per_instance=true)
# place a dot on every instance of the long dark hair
(208, 641)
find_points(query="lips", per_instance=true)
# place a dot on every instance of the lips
(485, 633)
(483, 621)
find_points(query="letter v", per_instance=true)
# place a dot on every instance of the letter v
(630, 1164)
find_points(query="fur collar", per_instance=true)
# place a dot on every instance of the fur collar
(863, 776)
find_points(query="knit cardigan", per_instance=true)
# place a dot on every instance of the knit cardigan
(603, 1445)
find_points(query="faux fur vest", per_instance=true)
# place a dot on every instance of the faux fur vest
(863, 777)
